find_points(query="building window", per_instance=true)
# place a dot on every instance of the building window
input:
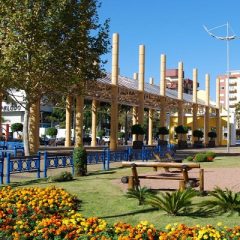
(222, 87)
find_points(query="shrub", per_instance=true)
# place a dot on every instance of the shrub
(51, 131)
(200, 157)
(121, 134)
(189, 159)
(100, 133)
(163, 131)
(140, 194)
(223, 201)
(62, 177)
(210, 155)
(80, 161)
(212, 135)
(17, 127)
(137, 129)
(175, 203)
(198, 134)
(181, 129)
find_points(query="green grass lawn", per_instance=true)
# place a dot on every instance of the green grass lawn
(104, 198)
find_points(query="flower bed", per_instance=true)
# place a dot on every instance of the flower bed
(51, 213)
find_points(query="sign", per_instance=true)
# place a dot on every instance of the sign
(11, 108)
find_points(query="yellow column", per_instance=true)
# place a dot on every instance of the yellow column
(206, 117)
(180, 96)
(180, 93)
(114, 103)
(195, 106)
(33, 127)
(163, 91)
(218, 117)
(150, 120)
(94, 122)
(141, 86)
(79, 121)
(163, 75)
(68, 121)
(135, 111)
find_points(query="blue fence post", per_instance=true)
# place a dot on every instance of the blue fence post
(45, 164)
(15, 151)
(142, 153)
(71, 161)
(1, 168)
(38, 164)
(108, 158)
(8, 168)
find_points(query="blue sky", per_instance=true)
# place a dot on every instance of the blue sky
(175, 28)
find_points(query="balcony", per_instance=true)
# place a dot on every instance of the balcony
(233, 91)
(232, 98)
(232, 84)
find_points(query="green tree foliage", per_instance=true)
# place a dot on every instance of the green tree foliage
(80, 161)
(198, 134)
(163, 131)
(17, 127)
(50, 47)
(181, 129)
(51, 131)
(137, 129)
(212, 135)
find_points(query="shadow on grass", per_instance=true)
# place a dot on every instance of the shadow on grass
(131, 213)
(29, 182)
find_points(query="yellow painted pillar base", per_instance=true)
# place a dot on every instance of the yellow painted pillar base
(141, 112)
(79, 121)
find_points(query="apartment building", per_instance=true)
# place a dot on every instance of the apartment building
(172, 81)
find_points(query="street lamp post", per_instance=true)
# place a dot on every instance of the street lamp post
(226, 38)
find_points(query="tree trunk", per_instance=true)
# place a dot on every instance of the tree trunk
(25, 131)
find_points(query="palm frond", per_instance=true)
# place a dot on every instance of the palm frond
(223, 201)
(173, 203)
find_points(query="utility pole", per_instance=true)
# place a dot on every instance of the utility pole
(226, 38)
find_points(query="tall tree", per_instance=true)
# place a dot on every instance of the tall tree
(50, 47)
(237, 112)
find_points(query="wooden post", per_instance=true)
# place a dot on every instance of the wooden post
(136, 181)
(182, 185)
(130, 182)
(201, 180)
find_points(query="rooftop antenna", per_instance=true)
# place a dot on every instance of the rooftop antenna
(226, 38)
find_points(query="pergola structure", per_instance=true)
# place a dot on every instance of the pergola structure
(138, 94)
(135, 92)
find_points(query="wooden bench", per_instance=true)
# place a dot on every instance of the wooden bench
(183, 178)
